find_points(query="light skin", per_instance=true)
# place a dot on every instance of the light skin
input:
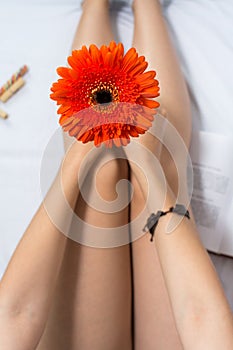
(101, 279)
(100, 311)
(201, 312)
(80, 297)
(27, 287)
(151, 298)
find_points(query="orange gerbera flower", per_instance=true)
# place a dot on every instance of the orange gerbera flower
(105, 95)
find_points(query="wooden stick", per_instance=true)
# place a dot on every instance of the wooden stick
(12, 90)
(13, 79)
(3, 114)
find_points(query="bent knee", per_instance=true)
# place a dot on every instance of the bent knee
(109, 175)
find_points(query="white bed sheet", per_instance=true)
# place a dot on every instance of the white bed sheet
(39, 33)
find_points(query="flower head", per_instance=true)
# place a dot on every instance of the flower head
(105, 95)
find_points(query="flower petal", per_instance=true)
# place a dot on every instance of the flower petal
(129, 59)
(64, 72)
(95, 54)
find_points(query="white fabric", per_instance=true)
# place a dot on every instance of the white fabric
(39, 33)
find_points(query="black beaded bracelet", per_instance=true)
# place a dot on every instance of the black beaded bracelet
(153, 219)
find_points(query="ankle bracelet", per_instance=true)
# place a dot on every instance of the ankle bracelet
(153, 219)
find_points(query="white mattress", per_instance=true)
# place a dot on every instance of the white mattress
(39, 33)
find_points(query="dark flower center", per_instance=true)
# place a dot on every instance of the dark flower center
(103, 96)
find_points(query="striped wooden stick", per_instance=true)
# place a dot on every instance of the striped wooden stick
(13, 79)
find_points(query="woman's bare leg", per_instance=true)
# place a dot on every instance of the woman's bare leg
(103, 276)
(100, 280)
(151, 38)
(94, 26)
(154, 323)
